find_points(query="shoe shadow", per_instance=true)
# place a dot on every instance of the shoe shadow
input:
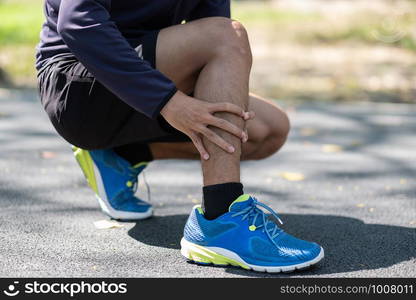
(165, 232)
(350, 244)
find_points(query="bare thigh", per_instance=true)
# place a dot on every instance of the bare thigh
(183, 50)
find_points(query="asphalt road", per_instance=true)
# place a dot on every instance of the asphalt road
(346, 179)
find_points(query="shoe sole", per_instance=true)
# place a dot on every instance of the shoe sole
(94, 180)
(211, 256)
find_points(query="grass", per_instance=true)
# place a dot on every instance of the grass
(20, 25)
(20, 22)
(261, 13)
(367, 28)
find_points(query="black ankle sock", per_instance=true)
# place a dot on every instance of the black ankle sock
(218, 198)
(135, 153)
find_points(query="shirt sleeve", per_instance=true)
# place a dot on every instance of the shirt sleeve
(87, 29)
(211, 8)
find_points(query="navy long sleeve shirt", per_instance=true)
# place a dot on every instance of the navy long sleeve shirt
(101, 33)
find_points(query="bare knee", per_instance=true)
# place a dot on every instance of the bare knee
(279, 132)
(228, 39)
(274, 136)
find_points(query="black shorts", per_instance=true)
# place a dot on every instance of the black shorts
(88, 115)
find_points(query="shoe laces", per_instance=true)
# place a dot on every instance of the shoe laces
(259, 217)
(132, 183)
(133, 174)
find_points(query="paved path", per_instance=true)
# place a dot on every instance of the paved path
(357, 198)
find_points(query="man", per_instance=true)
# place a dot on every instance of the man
(128, 82)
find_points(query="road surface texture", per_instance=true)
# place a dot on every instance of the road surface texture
(346, 179)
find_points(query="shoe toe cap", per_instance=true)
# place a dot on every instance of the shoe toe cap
(310, 252)
(299, 250)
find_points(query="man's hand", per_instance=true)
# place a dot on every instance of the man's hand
(193, 116)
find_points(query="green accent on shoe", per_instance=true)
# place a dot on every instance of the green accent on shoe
(140, 164)
(129, 184)
(204, 255)
(252, 227)
(242, 198)
(85, 161)
(199, 208)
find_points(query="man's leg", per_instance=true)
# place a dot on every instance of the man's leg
(211, 57)
(216, 55)
(225, 78)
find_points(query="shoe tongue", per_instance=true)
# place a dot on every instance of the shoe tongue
(241, 203)
(139, 167)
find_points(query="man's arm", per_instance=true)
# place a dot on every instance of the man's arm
(211, 8)
(86, 28)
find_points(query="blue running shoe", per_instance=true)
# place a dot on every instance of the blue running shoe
(246, 237)
(114, 182)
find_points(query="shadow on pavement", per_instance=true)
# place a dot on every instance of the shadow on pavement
(159, 231)
(349, 243)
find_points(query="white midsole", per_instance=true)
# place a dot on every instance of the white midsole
(106, 206)
(186, 247)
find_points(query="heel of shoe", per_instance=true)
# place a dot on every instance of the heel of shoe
(85, 161)
(204, 256)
